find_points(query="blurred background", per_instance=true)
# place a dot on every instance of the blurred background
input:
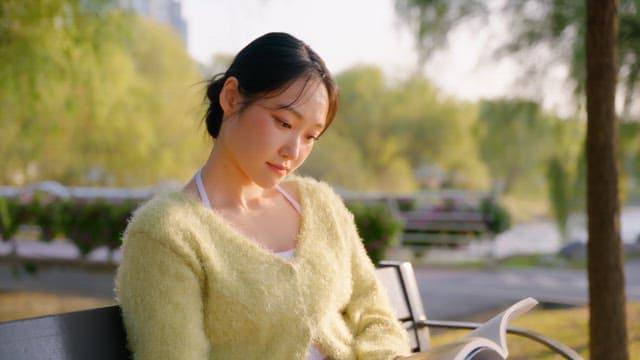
(110, 93)
(462, 122)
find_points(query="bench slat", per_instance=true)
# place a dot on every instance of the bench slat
(96, 334)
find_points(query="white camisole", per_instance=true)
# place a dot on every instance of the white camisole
(314, 353)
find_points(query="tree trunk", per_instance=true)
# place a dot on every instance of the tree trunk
(607, 328)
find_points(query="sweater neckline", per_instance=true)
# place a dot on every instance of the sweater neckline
(246, 242)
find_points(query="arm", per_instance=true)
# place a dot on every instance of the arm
(378, 334)
(159, 289)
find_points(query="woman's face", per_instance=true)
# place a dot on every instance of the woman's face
(267, 140)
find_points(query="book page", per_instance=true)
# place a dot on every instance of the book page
(463, 349)
(496, 328)
(484, 353)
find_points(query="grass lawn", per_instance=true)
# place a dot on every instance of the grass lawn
(569, 326)
(20, 305)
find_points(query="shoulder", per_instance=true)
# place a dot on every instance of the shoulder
(164, 213)
(306, 185)
(311, 190)
(321, 198)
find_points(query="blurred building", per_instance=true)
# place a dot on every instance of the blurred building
(168, 12)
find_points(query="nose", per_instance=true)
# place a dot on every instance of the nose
(291, 149)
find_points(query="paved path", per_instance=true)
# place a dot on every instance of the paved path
(59, 280)
(458, 294)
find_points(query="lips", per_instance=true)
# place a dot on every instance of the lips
(279, 168)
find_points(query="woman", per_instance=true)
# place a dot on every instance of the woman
(241, 264)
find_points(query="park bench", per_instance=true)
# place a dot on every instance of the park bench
(440, 218)
(437, 227)
(98, 334)
(445, 218)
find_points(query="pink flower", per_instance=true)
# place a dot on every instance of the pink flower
(26, 197)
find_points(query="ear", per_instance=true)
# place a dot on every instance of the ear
(230, 96)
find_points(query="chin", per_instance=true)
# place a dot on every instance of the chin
(268, 182)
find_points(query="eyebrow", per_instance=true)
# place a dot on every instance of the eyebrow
(299, 116)
(291, 110)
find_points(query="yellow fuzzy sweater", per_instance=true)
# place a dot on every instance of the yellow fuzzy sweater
(192, 287)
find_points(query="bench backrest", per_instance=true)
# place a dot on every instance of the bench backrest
(96, 334)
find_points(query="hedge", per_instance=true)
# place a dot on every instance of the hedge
(92, 224)
(87, 224)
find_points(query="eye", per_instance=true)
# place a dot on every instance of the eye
(283, 124)
(313, 137)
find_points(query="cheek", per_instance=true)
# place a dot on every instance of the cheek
(259, 129)
(259, 135)
(305, 151)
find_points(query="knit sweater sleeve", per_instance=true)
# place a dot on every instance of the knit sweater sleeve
(159, 288)
(378, 335)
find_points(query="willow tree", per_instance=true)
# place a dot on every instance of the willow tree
(534, 26)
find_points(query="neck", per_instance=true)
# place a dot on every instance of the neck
(227, 186)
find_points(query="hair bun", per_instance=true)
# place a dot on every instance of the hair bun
(214, 112)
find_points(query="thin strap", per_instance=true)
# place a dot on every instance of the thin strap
(207, 203)
(290, 198)
(201, 191)
(287, 254)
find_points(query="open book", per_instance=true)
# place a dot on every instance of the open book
(488, 342)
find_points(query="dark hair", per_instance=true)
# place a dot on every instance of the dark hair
(268, 64)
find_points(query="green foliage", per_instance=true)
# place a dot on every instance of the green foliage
(514, 139)
(87, 224)
(431, 20)
(436, 131)
(378, 228)
(559, 189)
(337, 160)
(406, 203)
(98, 97)
(556, 29)
(566, 172)
(46, 212)
(168, 142)
(385, 131)
(90, 225)
(5, 220)
(13, 213)
(630, 159)
(363, 118)
(559, 25)
(57, 43)
(496, 215)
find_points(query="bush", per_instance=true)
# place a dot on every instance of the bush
(13, 213)
(406, 203)
(88, 224)
(378, 228)
(497, 217)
